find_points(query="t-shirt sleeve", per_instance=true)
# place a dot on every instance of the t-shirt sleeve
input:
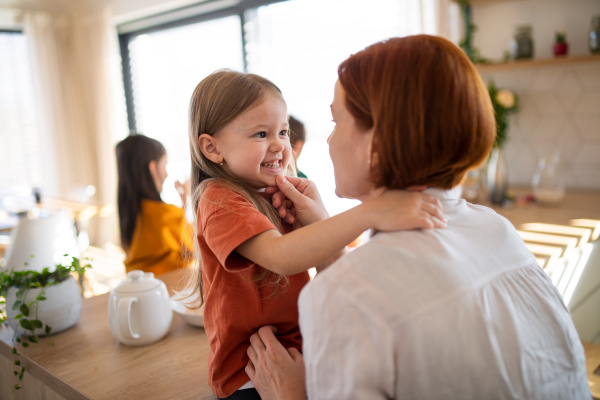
(227, 221)
(348, 352)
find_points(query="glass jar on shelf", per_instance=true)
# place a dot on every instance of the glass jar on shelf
(522, 42)
(548, 183)
(595, 34)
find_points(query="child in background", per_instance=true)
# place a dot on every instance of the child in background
(155, 235)
(253, 263)
(297, 139)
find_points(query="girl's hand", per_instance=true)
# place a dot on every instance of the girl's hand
(183, 188)
(297, 200)
(395, 210)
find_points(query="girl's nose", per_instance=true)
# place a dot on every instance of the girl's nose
(276, 145)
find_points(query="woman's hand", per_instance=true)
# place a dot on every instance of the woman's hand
(297, 200)
(277, 373)
(395, 210)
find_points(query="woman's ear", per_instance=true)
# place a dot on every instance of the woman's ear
(208, 147)
(372, 149)
(152, 167)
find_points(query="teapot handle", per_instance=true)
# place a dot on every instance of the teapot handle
(124, 314)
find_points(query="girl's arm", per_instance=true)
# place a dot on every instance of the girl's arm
(320, 239)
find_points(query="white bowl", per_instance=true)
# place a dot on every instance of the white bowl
(193, 317)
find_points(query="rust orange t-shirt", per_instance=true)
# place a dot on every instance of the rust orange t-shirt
(235, 305)
(162, 240)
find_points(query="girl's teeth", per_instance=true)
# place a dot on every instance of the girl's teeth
(274, 164)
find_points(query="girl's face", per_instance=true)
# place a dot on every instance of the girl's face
(255, 146)
(158, 170)
(350, 151)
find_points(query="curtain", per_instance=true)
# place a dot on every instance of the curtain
(74, 63)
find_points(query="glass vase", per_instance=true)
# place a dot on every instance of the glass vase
(548, 183)
(497, 176)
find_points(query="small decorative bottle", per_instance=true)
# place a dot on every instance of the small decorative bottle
(522, 43)
(595, 34)
(548, 184)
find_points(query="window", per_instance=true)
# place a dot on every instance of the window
(20, 149)
(298, 44)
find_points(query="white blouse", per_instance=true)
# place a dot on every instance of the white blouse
(460, 313)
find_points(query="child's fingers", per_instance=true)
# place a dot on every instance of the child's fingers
(434, 207)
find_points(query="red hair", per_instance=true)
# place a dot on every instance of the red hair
(431, 113)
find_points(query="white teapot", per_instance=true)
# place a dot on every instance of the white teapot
(139, 310)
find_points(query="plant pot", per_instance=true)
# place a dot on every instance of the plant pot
(560, 49)
(60, 310)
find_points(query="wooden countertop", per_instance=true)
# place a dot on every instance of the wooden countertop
(577, 204)
(86, 362)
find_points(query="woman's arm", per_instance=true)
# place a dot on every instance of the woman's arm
(318, 240)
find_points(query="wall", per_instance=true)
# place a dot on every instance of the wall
(560, 102)
(559, 110)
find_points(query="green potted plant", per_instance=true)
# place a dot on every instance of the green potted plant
(561, 47)
(38, 303)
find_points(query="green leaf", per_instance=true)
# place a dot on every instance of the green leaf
(18, 316)
(36, 323)
(25, 344)
(25, 324)
(40, 298)
(14, 350)
(17, 362)
(16, 305)
(22, 372)
(32, 339)
(24, 310)
(15, 373)
(47, 329)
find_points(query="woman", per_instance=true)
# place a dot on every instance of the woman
(460, 313)
(155, 235)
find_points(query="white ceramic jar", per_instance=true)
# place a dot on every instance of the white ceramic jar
(60, 310)
(139, 310)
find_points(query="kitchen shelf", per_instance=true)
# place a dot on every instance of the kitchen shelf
(538, 62)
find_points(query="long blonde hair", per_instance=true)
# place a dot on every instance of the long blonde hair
(217, 100)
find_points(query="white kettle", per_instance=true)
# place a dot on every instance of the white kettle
(139, 310)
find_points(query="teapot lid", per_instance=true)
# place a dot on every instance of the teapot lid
(138, 281)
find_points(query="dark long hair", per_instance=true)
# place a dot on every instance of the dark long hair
(134, 155)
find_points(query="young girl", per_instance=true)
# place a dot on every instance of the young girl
(155, 236)
(253, 264)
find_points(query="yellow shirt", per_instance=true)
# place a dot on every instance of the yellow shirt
(162, 240)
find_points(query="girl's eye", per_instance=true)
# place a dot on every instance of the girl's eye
(285, 132)
(261, 135)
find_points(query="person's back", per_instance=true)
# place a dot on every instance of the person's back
(155, 235)
(162, 240)
(460, 313)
